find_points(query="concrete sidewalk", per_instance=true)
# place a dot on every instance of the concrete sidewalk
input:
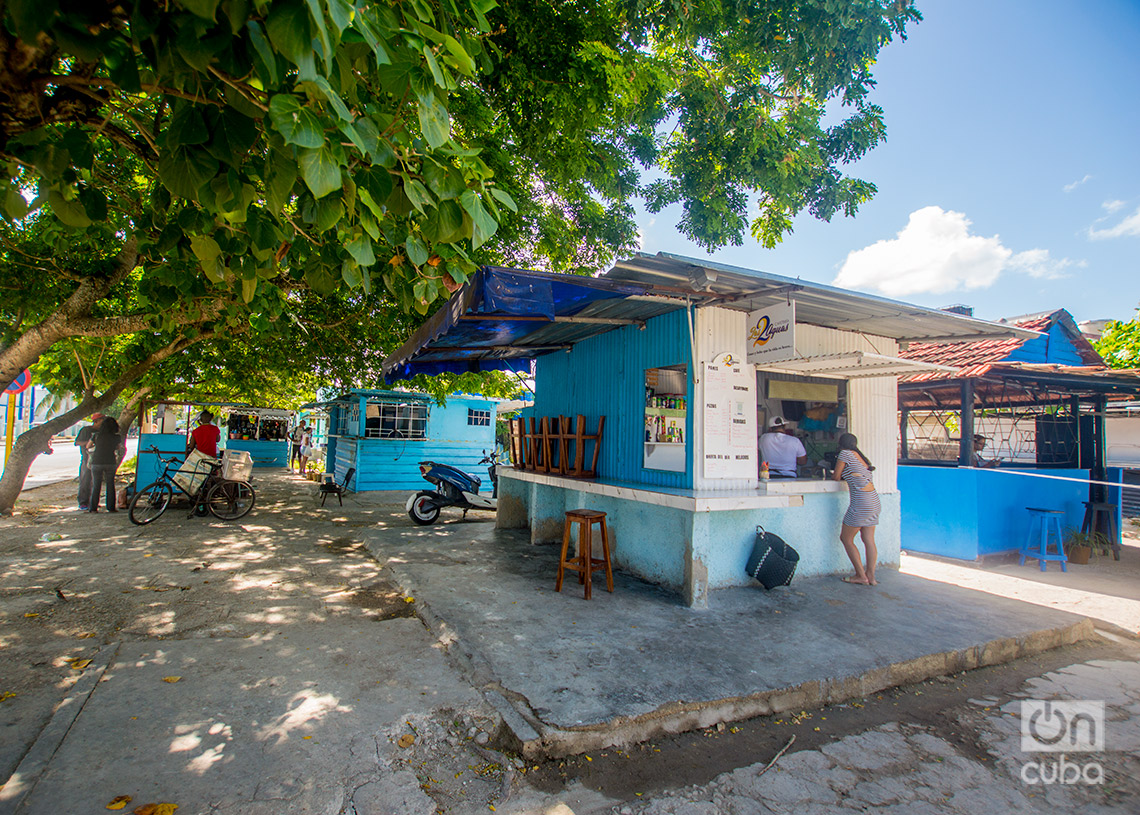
(571, 675)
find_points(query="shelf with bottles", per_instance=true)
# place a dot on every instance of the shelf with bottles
(673, 413)
(665, 444)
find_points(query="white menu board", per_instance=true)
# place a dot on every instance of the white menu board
(729, 418)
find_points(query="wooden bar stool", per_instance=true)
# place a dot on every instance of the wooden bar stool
(1091, 523)
(1046, 523)
(585, 564)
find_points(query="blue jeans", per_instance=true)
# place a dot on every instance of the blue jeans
(84, 481)
(102, 474)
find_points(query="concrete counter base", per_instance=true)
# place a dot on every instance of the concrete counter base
(694, 542)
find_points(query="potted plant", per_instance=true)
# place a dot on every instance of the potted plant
(1080, 546)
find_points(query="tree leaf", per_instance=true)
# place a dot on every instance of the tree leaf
(504, 198)
(333, 99)
(280, 175)
(233, 135)
(417, 252)
(341, 14)
(419, 196)
(295, 123)
(264, 52)
(462, 59)
(321, 171)
(328, 214)
(71, 213)
(360, 247)
(185, 170)
(206, 9)
(483, 225)
(434, 120)
(187, 127)
(350, 273)
(248, 289)
(290, 30)
(433, 66)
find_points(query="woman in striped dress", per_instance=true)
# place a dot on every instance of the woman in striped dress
(863, 514)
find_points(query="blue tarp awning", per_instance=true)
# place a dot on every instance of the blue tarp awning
(503, 318)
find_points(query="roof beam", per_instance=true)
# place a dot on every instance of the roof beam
(557, 319)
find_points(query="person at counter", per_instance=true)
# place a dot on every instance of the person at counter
(863, 513)
(204, 437)
(783, 451)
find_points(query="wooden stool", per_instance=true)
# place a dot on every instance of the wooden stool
(585, 564)
(1047, 523)
(1093, 511)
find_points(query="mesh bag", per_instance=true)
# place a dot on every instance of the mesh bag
(772, 562)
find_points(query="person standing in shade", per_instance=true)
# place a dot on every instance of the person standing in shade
(204, 437)
(296, 440)
(82, 439)
(306, 447)
(105, 447)
(863, 514)
(783, 451)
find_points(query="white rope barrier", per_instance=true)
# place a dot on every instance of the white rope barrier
(1054, 477)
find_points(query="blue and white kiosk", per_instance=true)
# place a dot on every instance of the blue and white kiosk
(687, 360)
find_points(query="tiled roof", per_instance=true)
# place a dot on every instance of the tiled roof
(970, 358)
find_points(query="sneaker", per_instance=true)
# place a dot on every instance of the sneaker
(83, 507)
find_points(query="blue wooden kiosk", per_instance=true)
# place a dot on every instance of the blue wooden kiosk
(261, 432)
(662, 347)
(385, 434)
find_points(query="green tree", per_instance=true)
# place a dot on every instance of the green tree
(1119, 344)
(207, 158)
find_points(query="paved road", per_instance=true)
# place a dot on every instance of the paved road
(61, 465)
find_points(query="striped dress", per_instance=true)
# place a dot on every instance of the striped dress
(865, 506)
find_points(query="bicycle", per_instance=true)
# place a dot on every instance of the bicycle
(227, 500)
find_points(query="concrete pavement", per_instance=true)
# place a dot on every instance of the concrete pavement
(269, 665)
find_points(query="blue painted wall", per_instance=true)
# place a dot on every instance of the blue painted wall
(1054, 347)
(967, 513)
(264, 453)
(393, 464)
(605, 376)
(148, 469)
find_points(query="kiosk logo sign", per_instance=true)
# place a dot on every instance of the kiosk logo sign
(1064, 728)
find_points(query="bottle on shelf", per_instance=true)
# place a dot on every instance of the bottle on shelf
(763, 471)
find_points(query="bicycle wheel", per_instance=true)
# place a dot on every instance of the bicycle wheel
(230, 500)
(150, 502)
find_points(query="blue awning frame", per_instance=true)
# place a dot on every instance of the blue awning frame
(503, 318)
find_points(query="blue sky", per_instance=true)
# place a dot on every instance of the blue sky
(1010, 178)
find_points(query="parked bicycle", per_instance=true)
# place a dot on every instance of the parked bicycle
(223, 498)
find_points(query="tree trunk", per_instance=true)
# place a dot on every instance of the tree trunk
(25, 450)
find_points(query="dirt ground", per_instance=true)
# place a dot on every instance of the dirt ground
(72, 582)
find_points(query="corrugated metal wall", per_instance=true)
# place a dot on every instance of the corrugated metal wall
(605, 376)
(718, 331)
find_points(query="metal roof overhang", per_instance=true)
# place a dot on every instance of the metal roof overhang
(816, 304)
(852, 365)
(1021, 384)
(503, 318)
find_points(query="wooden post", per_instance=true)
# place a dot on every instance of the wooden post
(579, 444)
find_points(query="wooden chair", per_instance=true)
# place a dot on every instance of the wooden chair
(332, 488)
(584, 563)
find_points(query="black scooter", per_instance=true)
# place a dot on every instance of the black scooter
(454, 488)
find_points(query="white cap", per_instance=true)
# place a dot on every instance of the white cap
(775, 421)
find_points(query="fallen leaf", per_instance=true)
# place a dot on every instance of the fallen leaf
(119, 801)
(31, 614)
(406, 740)
(306, 738)
(409, 599)
(149, 554)
(156, 809)
(80, 664)
(171, 678)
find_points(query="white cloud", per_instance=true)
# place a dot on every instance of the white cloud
(935, 253)
(1113, 206)
(1129, 226)
(1075, 184)
(1037, 263)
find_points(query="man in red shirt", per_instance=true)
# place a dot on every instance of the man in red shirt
(204, 437)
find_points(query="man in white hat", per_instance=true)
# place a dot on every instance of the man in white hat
(783, 451)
